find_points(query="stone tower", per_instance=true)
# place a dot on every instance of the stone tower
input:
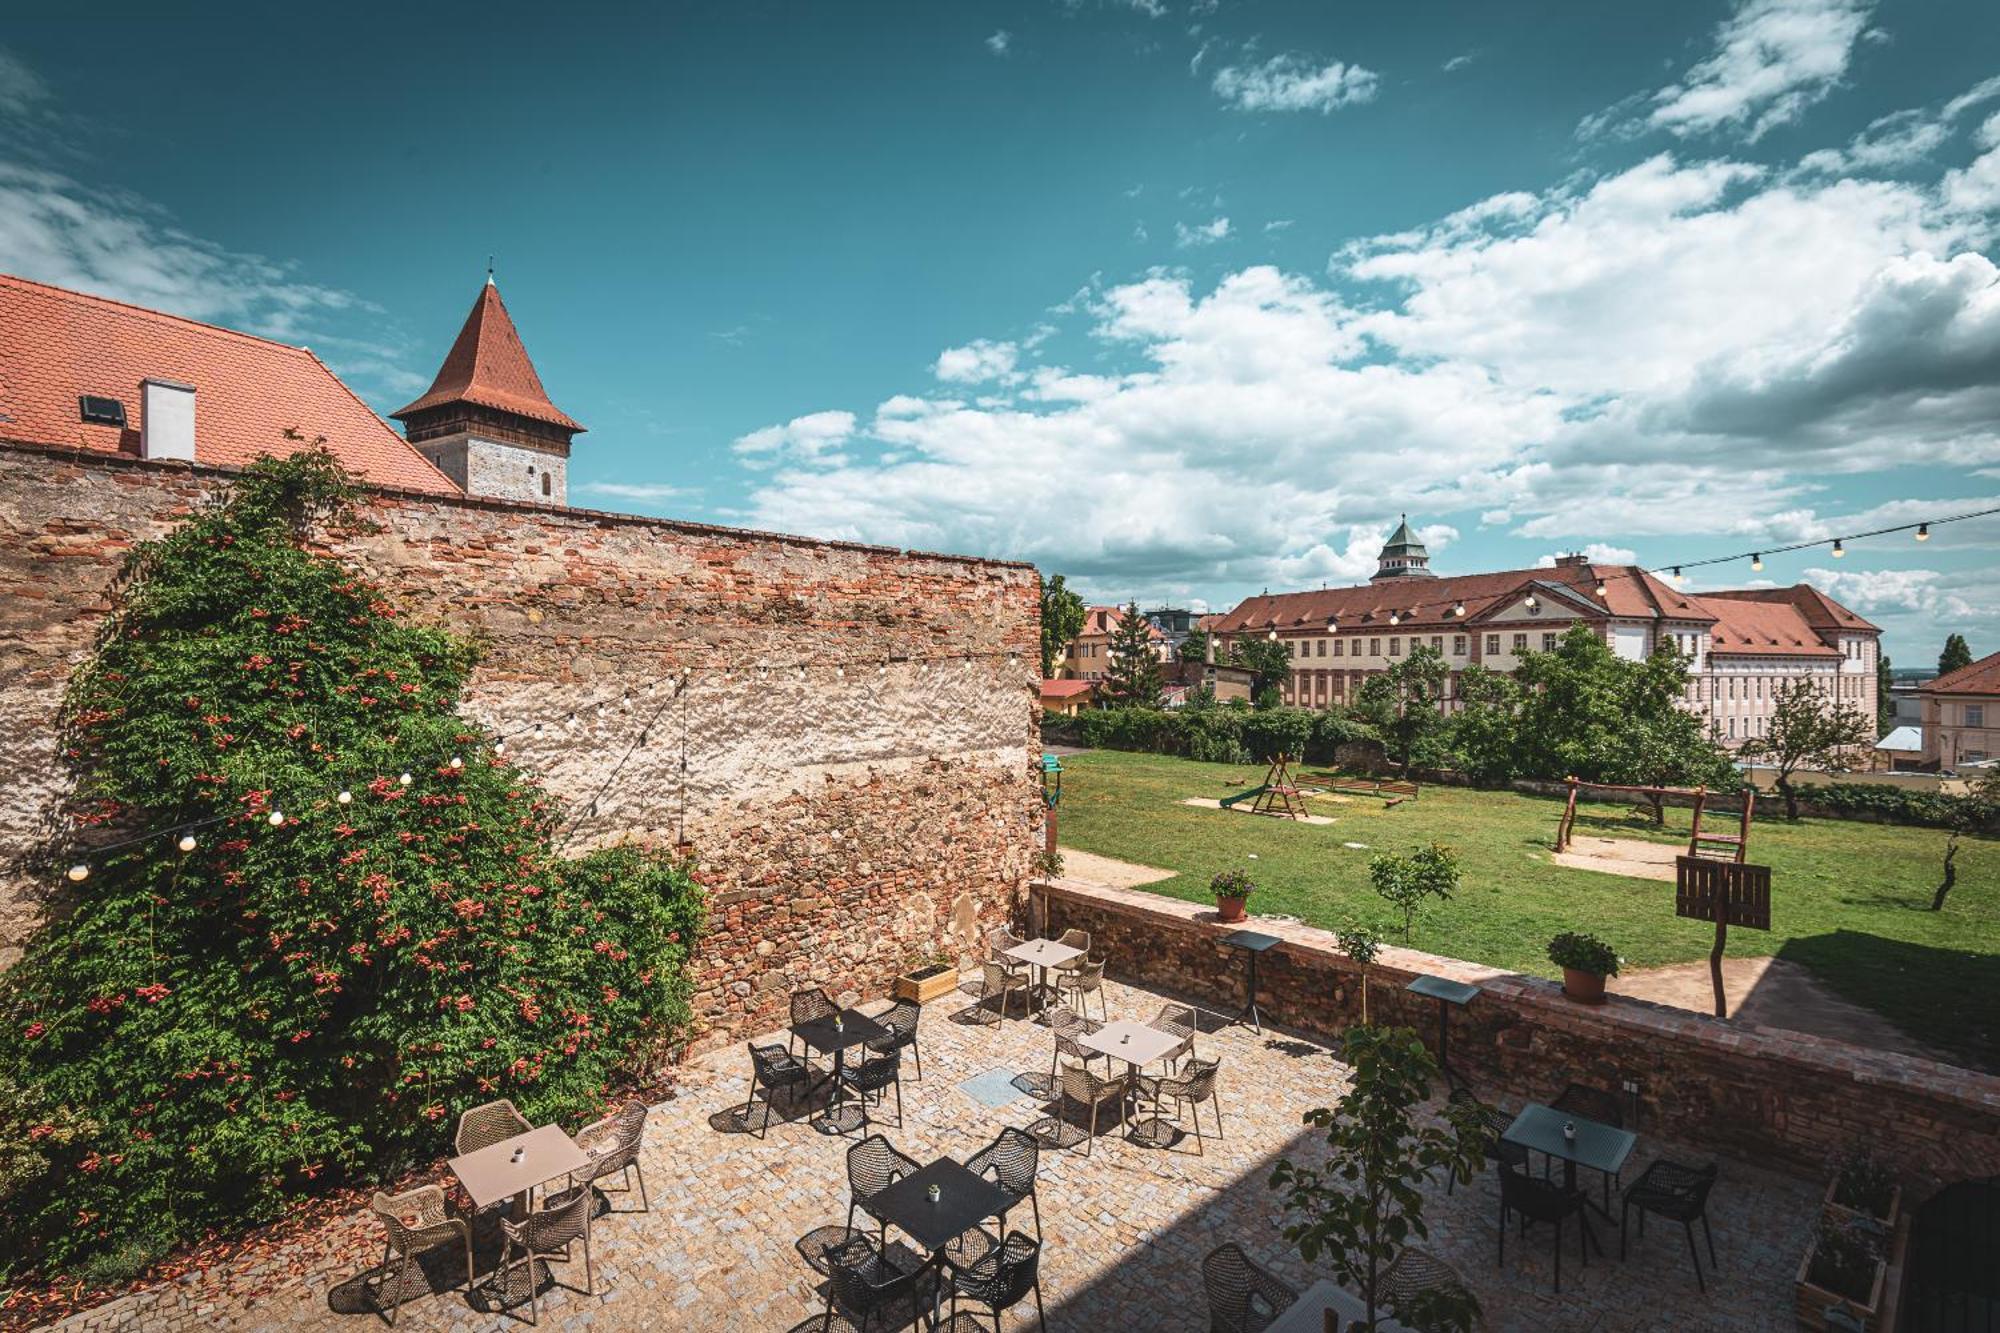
(1403, 556)
(486, 421)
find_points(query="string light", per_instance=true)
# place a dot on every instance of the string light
(499, 747)
(1395, 617)
(1677, 576)
(186, 843)
(1838, 549)
(1333, 624)
(78, 873)
(345, 798)
(1458, 609)
(1757, 563)
(404, 779)
(1923, 532)
(277, 817)
(457, 762)
(1601, 590)
(1534, 603)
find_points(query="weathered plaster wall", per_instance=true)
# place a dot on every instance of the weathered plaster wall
(846, 818)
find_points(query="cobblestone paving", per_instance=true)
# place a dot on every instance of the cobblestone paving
(1125, 1228)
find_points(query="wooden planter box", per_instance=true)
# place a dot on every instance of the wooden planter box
(1840, 1212)
(1813, 1302)
(926, 983)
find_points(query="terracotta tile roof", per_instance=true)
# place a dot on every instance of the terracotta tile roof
(1754, 627)
(1981, 677)
(1819, 610)
(489, 366)
(1066, 689)
(56, 345)
(1428, 604)
(1104, 620)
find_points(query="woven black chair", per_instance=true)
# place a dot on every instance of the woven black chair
(1539, 1201)
(872, 1077)
(1678, 1193)
(806, 1006)
(1243, 1295)
(1412, 1273)
(1012, 1159)
(1497, 1122)
(772, 1068)
(872, 1166)
(999, 1281)
(864, 1279)
(1592, 1104)
(1191, 1087)
(901, 1020)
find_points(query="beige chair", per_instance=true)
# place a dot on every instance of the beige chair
(1079, 984)
(1182, 1022)
(547, 1233)
(1085, 1088)
(613, 1145)
(1068, 1027)
(414, 1222)
(484, 1126)
(997, 979)
(998, 941)
(1194, 1085)
(1075, 939)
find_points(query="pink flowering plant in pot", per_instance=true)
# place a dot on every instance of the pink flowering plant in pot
(328, 912)
(1232, 889)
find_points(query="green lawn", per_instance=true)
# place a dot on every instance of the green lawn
(1848, 899)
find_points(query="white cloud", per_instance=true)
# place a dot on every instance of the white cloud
(812, 438)
(1459, 62)
(1279, 224)
(1902, 138)
(999, 42)
(22, 90)
(1295, 83)
(976, 362)
(629, 490)
(1772, 60)
(1204, 233)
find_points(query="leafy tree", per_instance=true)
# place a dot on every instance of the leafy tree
(1366, 1202)
(1957, 653)
(1885, 698)
(1406, 881)
(1269, 661)
(1977, 808)
(1402, 704)
(357, 928)
(1809, 729)
(1063, 614)
(1589, 713)
(1194, 648)
(1480, 735)
(1362, 945)
(1133, 678)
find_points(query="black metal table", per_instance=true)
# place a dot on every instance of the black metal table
(965, 1199)
(1445, 992)
(1598, 1146)
(833, 1035)
(1252, 942)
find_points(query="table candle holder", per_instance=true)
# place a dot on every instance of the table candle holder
(839, 1024)
(933, 1192)
(1569, 1131)
(519, 1153)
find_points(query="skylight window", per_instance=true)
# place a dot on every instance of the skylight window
(101, 411)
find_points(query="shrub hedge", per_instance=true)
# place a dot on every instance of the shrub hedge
(1223, 734)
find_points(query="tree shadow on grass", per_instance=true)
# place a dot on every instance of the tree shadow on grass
(1838, 958)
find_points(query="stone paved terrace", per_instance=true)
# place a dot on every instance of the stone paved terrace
(1125, 1229)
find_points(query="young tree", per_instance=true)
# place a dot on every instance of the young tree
(1063, 614)
(1406, 881)
(1808, 730)
(1885, 698)
(1978, 808)
(1366, 1202)
(1402, 704)
(1133, 679)
(1362, 945)
(1269, 660)
(1957, 653)
(1194, 648)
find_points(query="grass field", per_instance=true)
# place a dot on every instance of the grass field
(1848, 899)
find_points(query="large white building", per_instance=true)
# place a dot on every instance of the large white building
(1742, 644)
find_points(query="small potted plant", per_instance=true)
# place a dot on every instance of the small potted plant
(925, 976)
(1864, 1187)
(1232, 888)
(1843, 1268)
(1586, 961)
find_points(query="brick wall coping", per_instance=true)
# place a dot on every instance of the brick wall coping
(108, 459)
(1621, 1016)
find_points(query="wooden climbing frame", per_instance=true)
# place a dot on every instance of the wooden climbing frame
(1278, 796)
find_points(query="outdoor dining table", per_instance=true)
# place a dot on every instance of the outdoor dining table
(833, 1035)
(1446, 992)
(1308, 1313)
(513, 1167)
(964, 1200)
(1138, 1045)
(1252, 943)
(1598, 1146)
(1043, 954)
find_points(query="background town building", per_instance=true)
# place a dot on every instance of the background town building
(1962, 715)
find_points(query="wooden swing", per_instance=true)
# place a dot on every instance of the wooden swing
(1706, 846)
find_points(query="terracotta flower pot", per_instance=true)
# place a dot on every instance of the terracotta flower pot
(1229, 909)
(1585, 987)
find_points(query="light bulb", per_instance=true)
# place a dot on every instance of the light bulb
(1458, 608)
(1838, 549)
(1677, 576)
(1272, 636)
(1395, 617)
(79, 873)
(499, 747)
(1332, 625)
(1757, 562)
(186, 843)
(456, 762)
(1534, 603)
(345, 798)
(1923, 532)
(277, 817)
(404, 778)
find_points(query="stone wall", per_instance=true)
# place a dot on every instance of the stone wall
(1749, 1092)
(877, 805)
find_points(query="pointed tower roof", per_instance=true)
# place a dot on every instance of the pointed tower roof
(1403, 556)
(488, 367)
(1402, 541)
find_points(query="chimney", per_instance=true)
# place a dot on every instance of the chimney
(166, 423)
(1570, 561)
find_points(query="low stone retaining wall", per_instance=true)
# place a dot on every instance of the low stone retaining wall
(1775, 1097)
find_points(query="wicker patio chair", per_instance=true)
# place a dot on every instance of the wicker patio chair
(773, 1067)
(999, 1281)
(1191, 1087)
(1066, 1026)
(547, 1233)
(872, 1166)
(806, 1006)
(613, 1145)
(863, 1279)
(1243, 1295)
(1075, 939)
(994, 979)
(1496, 1122)
(1078, 984)
(998, 941)
(484, 1126)
(414, 1222)
(1592, 1104)
(1538, 1201)
(1413, 1272)
(1183, 1023)
(1678, 1193)
(901, 1020)
(1079, 1085)
(874, 1076)
(1013, 1159)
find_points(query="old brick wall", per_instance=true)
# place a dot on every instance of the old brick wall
(1748, 1092)
(846, 817)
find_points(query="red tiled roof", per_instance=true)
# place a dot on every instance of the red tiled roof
(1066, 689)
(1981, 677)
(56, 345)
(1755, 627)
(1629, 593)
(1104, 620)
(488, 366)
(1819, 610)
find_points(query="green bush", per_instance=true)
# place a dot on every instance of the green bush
(370, 932)
(1898, 805)
(1583, 953)
(1216, 733)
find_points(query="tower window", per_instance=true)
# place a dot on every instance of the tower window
(545, 484)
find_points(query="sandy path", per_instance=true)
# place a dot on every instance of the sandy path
(1106, 870)
(1620, 856)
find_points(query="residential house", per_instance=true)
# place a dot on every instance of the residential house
(1962, 715)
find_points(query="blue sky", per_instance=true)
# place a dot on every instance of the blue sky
(1185, 300)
